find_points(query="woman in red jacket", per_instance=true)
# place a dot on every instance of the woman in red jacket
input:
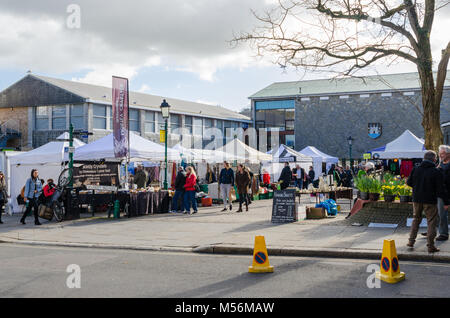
(189, 194)
(266, 178)
(49, 189)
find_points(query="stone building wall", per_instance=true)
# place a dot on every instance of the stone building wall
(327, 122)
(16, 118)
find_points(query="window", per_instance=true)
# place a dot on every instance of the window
(175, 124)
(275, 104)
(290, 140)
(188, 124)
(208, 123)
(219, 125)
(198, 126)
(77, 116)
(149, 125)
(42, 118)
(161, 121)
(111, 117)
(290, 125)
(134, 120)
(59, 118)
(99, 117)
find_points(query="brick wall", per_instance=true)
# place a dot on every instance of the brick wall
(16, 119)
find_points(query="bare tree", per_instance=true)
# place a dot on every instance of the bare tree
(350, 35)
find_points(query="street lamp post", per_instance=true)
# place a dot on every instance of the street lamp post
(350, 144)
(165, 110)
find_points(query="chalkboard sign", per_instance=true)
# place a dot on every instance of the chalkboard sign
(284, 208)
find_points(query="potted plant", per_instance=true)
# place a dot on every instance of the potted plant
(374, 189)
(404, 192)
(362, 184)
(389, 187)
(389, 192)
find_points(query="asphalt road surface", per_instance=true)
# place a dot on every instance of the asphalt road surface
(27, 271)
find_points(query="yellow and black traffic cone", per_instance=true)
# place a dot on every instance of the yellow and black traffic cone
(260, 257)
(390, 267)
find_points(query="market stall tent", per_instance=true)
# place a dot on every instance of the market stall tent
(286, 154)
(209, 156)
(407, 146)
(319, 158)
(140, 149)
(48, 160)
(239, 149)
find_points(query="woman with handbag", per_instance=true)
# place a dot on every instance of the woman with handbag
(33, 189)
(3, 194)
(189, 194)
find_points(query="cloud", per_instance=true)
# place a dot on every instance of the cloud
(116, 37)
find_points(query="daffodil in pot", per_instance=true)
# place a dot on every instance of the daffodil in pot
(405, 193)
(389, 192)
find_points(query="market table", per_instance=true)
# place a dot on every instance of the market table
(335, 194)
(144, 203)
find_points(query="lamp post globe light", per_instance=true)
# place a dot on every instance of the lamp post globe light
(165, 110)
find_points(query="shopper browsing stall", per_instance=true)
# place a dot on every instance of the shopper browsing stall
(189, 194)
(180, 181)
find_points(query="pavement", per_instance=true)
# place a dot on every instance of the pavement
(213, 231)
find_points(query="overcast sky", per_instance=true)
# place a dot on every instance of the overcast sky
(175, 48)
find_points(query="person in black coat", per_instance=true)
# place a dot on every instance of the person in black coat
(286, 176)
(427, 183)
(180, 181)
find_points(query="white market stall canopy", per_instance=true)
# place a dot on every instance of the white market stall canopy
(319, 157)
(210, 156)
(140, 149)
(407, 146)
(287, 154)
(53, 152)
(240, 149)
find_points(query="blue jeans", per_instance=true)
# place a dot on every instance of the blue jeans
(178, 194)
(443, 218)
(189, 196)
(299, 183)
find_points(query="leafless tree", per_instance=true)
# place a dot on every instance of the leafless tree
(350, 35)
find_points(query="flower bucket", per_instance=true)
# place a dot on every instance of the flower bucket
(374, 196)
(405, 199)
(389, 197)
(364, 196)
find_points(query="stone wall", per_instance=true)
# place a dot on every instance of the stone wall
(327, 123)
(16, 119)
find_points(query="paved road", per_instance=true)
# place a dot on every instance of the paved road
(41, 272)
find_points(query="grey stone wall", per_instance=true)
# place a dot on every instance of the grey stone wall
(326, 124)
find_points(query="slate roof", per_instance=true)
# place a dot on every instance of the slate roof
(102, 94)
(390, 82)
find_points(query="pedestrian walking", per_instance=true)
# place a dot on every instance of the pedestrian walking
(242, 183)
(3, 194)
(250, 173)
(189, 188)
(180, 181)
(427, 184)
(226, 181)
(285, 177)
(33, 189)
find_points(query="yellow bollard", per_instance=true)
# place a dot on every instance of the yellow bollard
(390, 267)
(260, 257)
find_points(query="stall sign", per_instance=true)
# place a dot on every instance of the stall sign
(284, 209)
(367, 156)
(105, 174)
(162, 136)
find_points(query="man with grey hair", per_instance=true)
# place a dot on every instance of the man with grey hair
(427, 184)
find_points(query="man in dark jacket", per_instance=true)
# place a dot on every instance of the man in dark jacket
(286, 176)
(311, 176)
(180, 181)
(427, 183)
